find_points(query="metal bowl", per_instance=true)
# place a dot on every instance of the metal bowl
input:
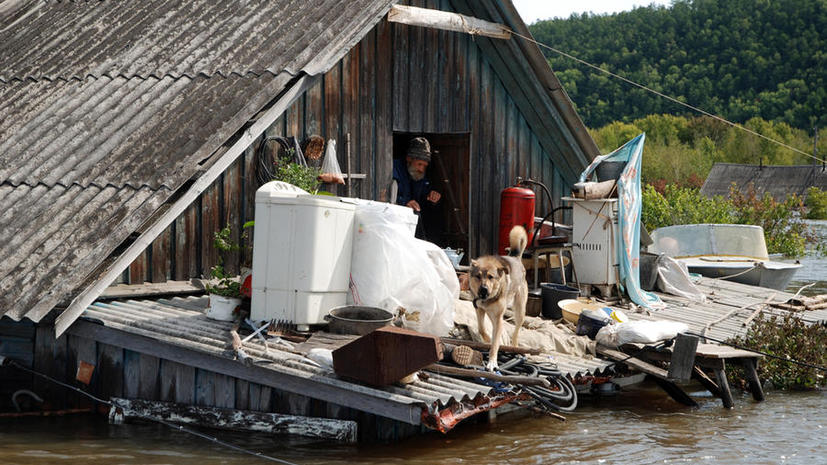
(355, 319)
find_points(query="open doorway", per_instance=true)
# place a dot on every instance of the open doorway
(446, 222)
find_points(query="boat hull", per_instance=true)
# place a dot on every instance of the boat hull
(769, 274)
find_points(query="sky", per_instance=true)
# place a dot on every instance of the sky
(533, 10)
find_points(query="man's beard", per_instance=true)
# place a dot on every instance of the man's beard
(415, 175)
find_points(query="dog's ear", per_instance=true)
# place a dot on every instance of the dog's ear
(503, 270)
(475, 263)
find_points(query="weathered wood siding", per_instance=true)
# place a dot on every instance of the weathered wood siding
(397, 79)
(125, 373)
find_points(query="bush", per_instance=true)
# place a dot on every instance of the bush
(784, 231)
(682, 205)
(787, 337)
(816, 204)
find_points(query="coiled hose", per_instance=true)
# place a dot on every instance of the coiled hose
(560, 396)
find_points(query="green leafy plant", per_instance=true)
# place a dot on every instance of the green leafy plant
(786, 336)
(227, 285)
(816, 204)
(303, 177)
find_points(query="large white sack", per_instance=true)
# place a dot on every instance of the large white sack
(646, 332)
(391, 269)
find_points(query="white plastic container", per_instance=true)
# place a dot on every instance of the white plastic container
(301, 255)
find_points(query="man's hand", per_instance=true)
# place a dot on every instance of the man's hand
(414, 204)
(434, 196)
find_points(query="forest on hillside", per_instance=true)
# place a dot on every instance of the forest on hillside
(739, 59)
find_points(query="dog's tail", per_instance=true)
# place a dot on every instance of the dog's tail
(517, 241)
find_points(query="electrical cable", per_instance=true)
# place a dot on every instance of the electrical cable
(667, 97)
(157, 420)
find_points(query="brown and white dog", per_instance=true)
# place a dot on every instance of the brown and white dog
(495, 281)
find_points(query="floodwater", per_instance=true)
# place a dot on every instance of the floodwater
(813, 267)
(639, 426)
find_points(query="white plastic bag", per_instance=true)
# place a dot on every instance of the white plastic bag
(673, 278)
(331, 173)
(648, 332)
(391, 269)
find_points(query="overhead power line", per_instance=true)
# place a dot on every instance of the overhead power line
(667, 97)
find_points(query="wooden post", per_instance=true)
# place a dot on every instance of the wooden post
(347, 162)
(683, 358)
(750, 369)
(723, 384)
(236, 420)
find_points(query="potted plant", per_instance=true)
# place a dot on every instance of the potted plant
(224, 290)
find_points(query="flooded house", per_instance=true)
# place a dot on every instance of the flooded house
(130, 133)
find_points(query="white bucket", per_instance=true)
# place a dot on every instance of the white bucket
(221, 308)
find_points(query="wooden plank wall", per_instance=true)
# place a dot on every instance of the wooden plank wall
(397, 79)
(124, 373)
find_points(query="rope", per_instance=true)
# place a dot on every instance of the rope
(158, 420)
(740, 272)
(667, 97)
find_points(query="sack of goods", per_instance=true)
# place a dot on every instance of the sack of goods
(392, 269)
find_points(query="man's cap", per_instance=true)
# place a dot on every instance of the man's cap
(420, 149)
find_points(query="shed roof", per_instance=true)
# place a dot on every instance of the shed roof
(180, 323)
(778, 181)
(108, 108)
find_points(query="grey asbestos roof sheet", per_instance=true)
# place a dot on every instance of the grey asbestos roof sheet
(778, 181)
(107, 108)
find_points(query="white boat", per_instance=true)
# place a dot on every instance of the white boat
(735, 252)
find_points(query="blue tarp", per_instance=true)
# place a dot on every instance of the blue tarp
(629, 205)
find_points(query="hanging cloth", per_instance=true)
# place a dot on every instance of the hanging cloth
(629, 206)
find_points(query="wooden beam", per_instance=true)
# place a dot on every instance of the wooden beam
(133, 291)
(424, 17)
(233, 420)
(248, 136)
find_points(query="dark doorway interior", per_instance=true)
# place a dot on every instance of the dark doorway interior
(446, 223)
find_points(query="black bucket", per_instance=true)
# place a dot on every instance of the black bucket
(609, 170)
(590, 322)
(553, 293)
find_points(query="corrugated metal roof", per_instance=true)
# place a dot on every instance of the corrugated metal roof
(107, 108)
(778, 181)
(181, 322)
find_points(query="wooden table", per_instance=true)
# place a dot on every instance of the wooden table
(707, 357)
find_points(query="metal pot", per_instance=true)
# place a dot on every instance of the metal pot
(359, 320)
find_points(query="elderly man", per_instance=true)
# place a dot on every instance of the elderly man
(413, 188)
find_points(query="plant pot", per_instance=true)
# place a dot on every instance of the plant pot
(221, 308)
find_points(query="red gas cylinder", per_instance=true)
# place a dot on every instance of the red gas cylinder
(516, 208)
